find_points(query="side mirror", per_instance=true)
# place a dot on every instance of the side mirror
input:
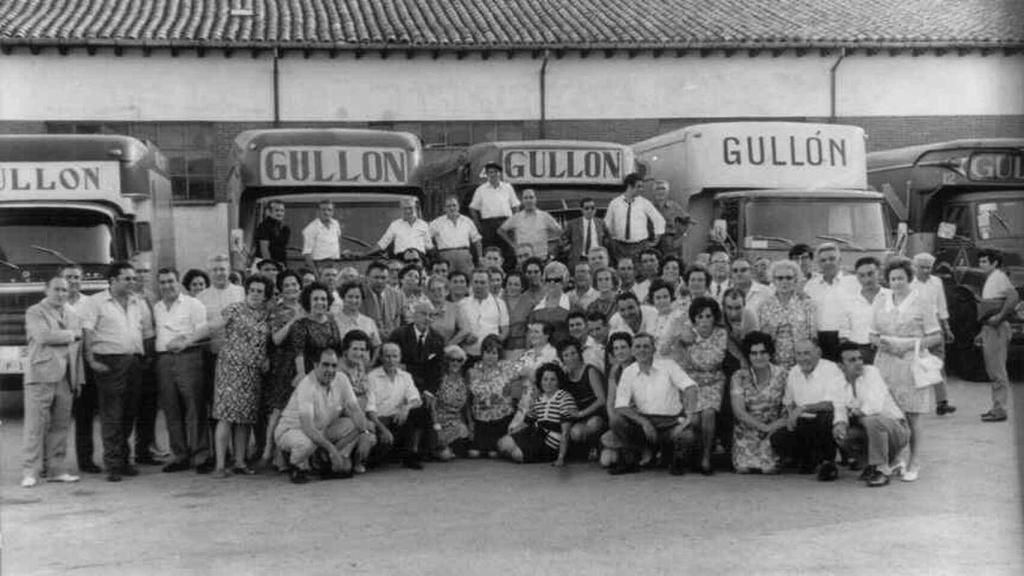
(143, 237)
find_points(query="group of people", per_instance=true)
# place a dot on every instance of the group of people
(622, 354)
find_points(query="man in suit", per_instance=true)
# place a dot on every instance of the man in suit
(423, 352)
(54, 331)
(584, 233)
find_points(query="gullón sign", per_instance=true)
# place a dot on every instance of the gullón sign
(43, 178)
(563, 166)
(333, 166)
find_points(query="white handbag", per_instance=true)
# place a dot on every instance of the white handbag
(927, 368)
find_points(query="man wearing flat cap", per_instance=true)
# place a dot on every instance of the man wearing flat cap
(493, 202)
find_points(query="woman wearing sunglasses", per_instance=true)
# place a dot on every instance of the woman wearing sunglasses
(554, 306)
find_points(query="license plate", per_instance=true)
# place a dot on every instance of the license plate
(12, 359)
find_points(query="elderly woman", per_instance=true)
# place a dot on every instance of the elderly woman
(239, 372)
(787, 315)
(492, 405)
(543, 435)
(446, 314)
(280, 385)
(756, 393)
(662, 295)
(585, 384)
(458, 285)
(606, 282)
(349, 317)
(410, 281)
(553, 308)
(195, 281)
(450, 407)
(620, 355)
(519, 307)
(702, 359)
(314, 331)
(902, 319)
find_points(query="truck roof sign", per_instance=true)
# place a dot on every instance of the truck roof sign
(996, 166)
(59, 178)
(333, 166)
(563, 165)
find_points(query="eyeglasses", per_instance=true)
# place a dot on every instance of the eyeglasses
(784, 277)
(456, 360)
(553, 280)
(590, 207)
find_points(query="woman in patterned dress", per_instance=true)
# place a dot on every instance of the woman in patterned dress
(350, 318)
(492, 405)
(543, 436)
(606, 282)
(314, 331)
(788, 315)
(279, 388)
(757, 394)
(899, 320)
(239, 373)
(451, 408)
(704, 354)
(410, 280)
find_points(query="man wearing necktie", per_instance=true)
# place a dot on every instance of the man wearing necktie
(583, 233)
(627, 220)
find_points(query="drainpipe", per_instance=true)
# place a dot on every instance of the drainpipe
(277, 91)
(543, 94)
(832, 85)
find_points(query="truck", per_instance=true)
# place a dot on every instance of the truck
(365, 173)
(957, 198)
(760, 188)
(88, 200)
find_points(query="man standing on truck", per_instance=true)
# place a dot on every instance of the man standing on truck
(456, 238)
(321, 238)
(531, 226)
(627, 218)
(272, 234)
(998, 298)
(677, 221)
(493, 202)
(584, 233)
(407, 233)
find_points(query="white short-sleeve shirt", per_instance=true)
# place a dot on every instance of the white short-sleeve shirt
(494, 202)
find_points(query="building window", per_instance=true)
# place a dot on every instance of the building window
(188, 147)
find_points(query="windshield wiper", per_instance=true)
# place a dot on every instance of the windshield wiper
(842, 241)
(11, 265)
(1002, 222)
(785, 241)
(53, 252)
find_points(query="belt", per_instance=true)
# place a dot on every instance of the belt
(466, 248)
(632, 243)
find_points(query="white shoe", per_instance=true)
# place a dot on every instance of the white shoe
(65, 477)
(29, 481)
(910, 474)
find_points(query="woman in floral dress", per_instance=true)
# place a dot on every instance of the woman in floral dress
(451, 407)
(702, 360)
(281, 382)
(410, 280)
(239, 373)
(899, 320)
(492, 404)
(757, 394)
(788, 315)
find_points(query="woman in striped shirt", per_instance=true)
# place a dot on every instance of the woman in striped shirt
(543, 435)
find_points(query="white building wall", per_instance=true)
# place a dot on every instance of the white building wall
(214, 88)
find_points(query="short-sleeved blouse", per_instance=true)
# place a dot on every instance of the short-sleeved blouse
(787, 323)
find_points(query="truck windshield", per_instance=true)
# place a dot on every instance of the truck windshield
(853, 225)
(1000, 219)
(84, 236)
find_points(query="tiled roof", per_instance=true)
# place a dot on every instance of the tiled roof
(515, 24)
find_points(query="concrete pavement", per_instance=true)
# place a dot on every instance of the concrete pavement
(480, 517)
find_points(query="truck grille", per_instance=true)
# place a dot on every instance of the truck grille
(12, 316)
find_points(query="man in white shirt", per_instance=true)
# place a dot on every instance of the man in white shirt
(583, 293)
(456, 237)
(632, 317)
(814, 391)
(930, 288)
(593, 352)
(870, 424)
(719, 272)
(753, 291)
(858, 308)
(323, 413)
(532, 226)
(395, 407)
(180, 325)
(657, 404)
(829, 288)
(493, 202)
(321, 238)
(407, 233)
(998, 299)
(483, 315)
(627, 219)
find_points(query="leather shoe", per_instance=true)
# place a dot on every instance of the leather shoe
(129, 471)
(878, 479)
(90, 468)
(827, 472)
(944, 408)
(206, 467)
(866, 475)
(178, 466)
(113, 477)
(992, 417)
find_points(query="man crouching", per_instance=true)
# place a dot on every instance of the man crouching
(323, 413)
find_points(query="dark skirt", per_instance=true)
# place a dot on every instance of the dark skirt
(487, 433)
(532, 443)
